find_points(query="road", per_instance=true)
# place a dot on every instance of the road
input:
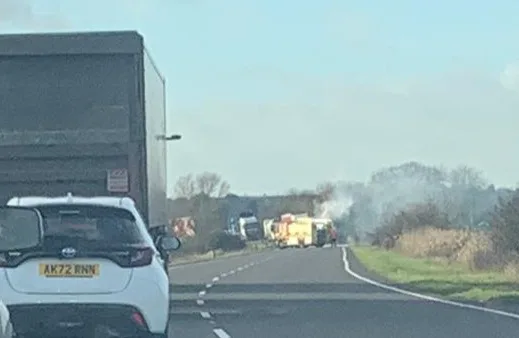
(307, 293)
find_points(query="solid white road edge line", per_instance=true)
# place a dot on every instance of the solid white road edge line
(421, 296)
(220, 333)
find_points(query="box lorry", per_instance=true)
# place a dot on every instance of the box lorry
(250, 228)
(83, 113)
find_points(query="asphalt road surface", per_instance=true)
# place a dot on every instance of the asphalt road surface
(305, 293)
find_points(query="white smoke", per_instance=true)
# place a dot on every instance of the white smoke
(389, 198)
(370, 204)
(336, 208)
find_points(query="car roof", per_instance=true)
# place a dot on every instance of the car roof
(108, 201)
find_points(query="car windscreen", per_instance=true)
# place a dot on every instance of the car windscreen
(106, 226)
(19, 229)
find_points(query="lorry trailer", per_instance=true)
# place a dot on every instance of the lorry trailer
(83, 113)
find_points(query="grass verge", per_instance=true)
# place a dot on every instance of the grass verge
(251, 247)
(437, 278)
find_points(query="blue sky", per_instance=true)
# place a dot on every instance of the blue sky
(362, 84)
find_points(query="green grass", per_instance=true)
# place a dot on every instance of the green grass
(450, 281)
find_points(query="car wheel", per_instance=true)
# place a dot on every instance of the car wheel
(159, 335)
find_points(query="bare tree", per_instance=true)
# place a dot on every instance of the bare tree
(223, 189)
(185, 187)
(325, 191)
(292, 192)
(211, 184)
(207, 183)
(414, 170)
(466, 176)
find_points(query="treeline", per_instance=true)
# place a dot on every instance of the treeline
(462, 197)
(394, 200)
(436, 212)
(207, 199)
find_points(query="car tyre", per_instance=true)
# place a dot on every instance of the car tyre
(159, 335)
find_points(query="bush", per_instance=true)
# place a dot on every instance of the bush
(471, 248)
(417, 216)
(226, 242)
(424, 231)
(505, 226)
(192, 245)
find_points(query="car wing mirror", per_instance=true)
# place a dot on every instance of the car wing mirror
(168, 243)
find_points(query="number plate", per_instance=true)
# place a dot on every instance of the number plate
(70, 270)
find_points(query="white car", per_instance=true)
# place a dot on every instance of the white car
(6, 328)
(89, 267)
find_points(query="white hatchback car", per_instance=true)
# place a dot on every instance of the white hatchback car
(90, 268)
(6, 328)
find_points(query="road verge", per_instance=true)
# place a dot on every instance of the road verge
(436, 278)
(251, 248)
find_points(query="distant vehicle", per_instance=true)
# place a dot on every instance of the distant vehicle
(302, 232)
(323, 226)
(269, 229)
(183, 226)
(233, 228)
(6, 328)
(250, 228)
(83, 266)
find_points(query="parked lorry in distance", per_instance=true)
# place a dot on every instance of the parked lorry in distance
(269, 227)
(83, 113)
(250, 228)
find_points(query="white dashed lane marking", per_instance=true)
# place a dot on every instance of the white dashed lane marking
(205, 315)
(203, 293)
(220, 333)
